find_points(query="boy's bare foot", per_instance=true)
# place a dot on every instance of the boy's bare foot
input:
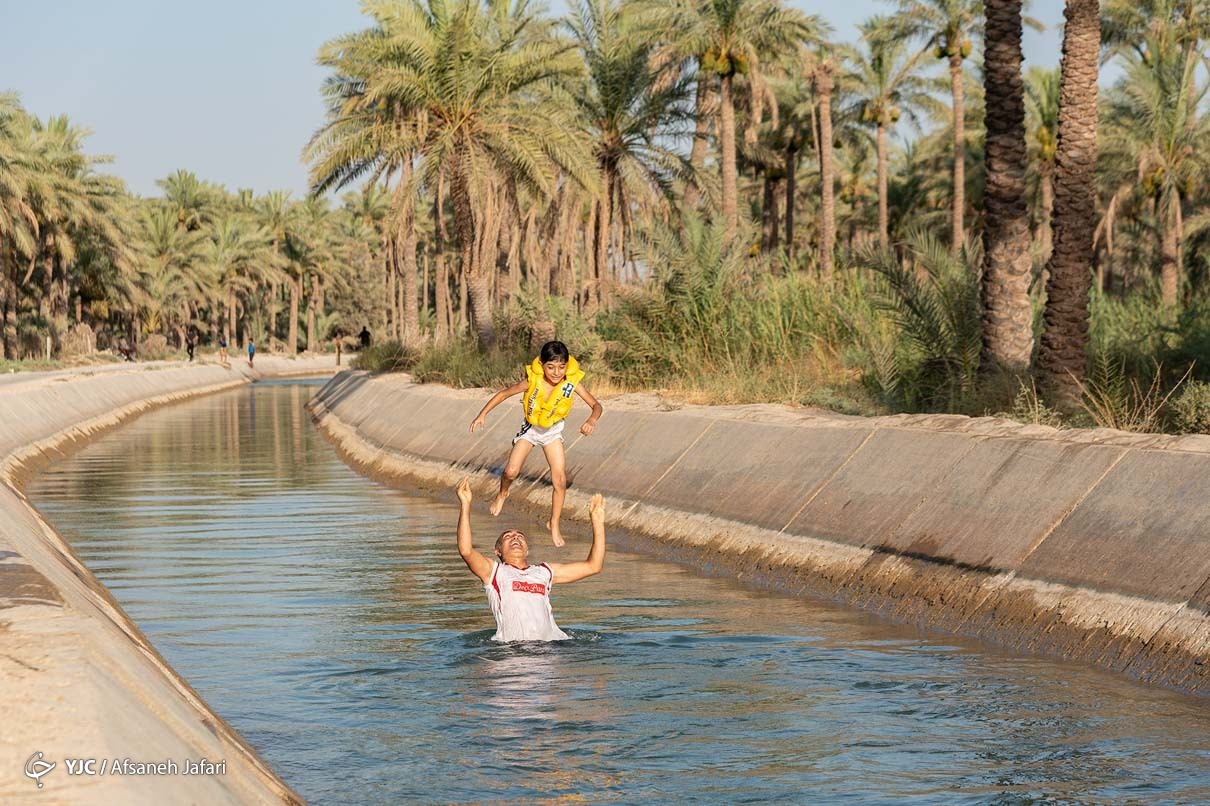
(555, 534)
(498, 504)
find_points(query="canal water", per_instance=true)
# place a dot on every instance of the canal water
(331, 621)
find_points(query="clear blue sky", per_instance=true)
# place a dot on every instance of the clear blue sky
(228, 89)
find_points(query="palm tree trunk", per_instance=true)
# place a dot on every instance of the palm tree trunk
(774, 215)
(1062, 355)
(475, 287)
(600, 263)
(727, 141)
(230, 333)
(442, 291)
(1044, 234)
(392, 297)
(824, 85)
(410, 314)
(1170, 270)
(883, 217)
(311, 305)
(958, 229)
(765, 210)
(701, 130)
(790, 168)
(1007, 268)
(295, 284)
(8, 325)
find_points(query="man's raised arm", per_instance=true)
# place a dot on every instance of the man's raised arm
(480, 566)
(571, 572)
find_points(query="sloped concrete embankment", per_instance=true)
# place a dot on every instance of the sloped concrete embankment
(1089, 545)
(78, 680)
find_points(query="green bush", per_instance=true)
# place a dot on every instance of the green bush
(389, 356)
(1191, 410)
(933, 299)
(461, 363)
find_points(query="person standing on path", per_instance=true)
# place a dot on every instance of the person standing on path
(519, 593)
(251, 351)
(190, 344)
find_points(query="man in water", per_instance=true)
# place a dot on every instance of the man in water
(519, 593)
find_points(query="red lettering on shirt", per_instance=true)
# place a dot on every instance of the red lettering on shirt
(529, 587)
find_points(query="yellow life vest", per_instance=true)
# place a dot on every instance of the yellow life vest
(555, 406)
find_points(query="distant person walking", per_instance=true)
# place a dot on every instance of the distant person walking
(190, 344)
(222, 347)
(251, 351)
(364, 337)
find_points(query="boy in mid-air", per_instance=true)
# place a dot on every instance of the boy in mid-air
(550, 382)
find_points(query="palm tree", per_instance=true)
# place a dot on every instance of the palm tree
(1154, 135)
(1042, 127)
(275, 212)
(473, 86)
(734, 37)
(1007, 268)
(189, 197)
(173, 272)
(316, 252)
(1061, 359)
(631, 110)
(823, 75)
(948, 27)
(887, 86)
(1157, 144)
(237, 255)
(24, 176)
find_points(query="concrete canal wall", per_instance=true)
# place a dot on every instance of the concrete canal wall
(1089, 545)
(78, 680)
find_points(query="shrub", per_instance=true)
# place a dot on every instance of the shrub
(933, 298)
(460, 363)
(154, 348)
(389, 356)
(1191, 410)
(79, 340)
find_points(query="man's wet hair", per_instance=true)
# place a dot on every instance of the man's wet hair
(553, 351)
(500, 539)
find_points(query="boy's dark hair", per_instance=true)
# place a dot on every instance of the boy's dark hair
(553, 351)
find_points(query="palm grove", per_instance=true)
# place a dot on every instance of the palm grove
(711, 195)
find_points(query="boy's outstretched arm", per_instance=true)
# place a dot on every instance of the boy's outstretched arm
(498, 398)
(480, 566)
(571, 572)
(591, 423)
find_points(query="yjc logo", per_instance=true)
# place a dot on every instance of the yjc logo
(35, 768)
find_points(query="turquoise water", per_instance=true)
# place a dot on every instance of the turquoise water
(331, 621)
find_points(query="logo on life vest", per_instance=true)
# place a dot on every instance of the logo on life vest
(529, 587)
(568, 388)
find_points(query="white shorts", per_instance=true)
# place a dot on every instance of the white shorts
(537, 435)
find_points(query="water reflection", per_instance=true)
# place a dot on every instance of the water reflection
(330, 620)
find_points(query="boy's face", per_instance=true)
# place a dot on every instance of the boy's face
(555, 371)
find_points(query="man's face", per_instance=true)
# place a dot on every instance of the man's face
(512, 544)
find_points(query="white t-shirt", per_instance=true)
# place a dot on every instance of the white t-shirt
(520, 601)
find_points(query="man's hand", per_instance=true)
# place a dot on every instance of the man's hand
(596, 510)
(477, 423)
(588, 427)
(464, 492)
